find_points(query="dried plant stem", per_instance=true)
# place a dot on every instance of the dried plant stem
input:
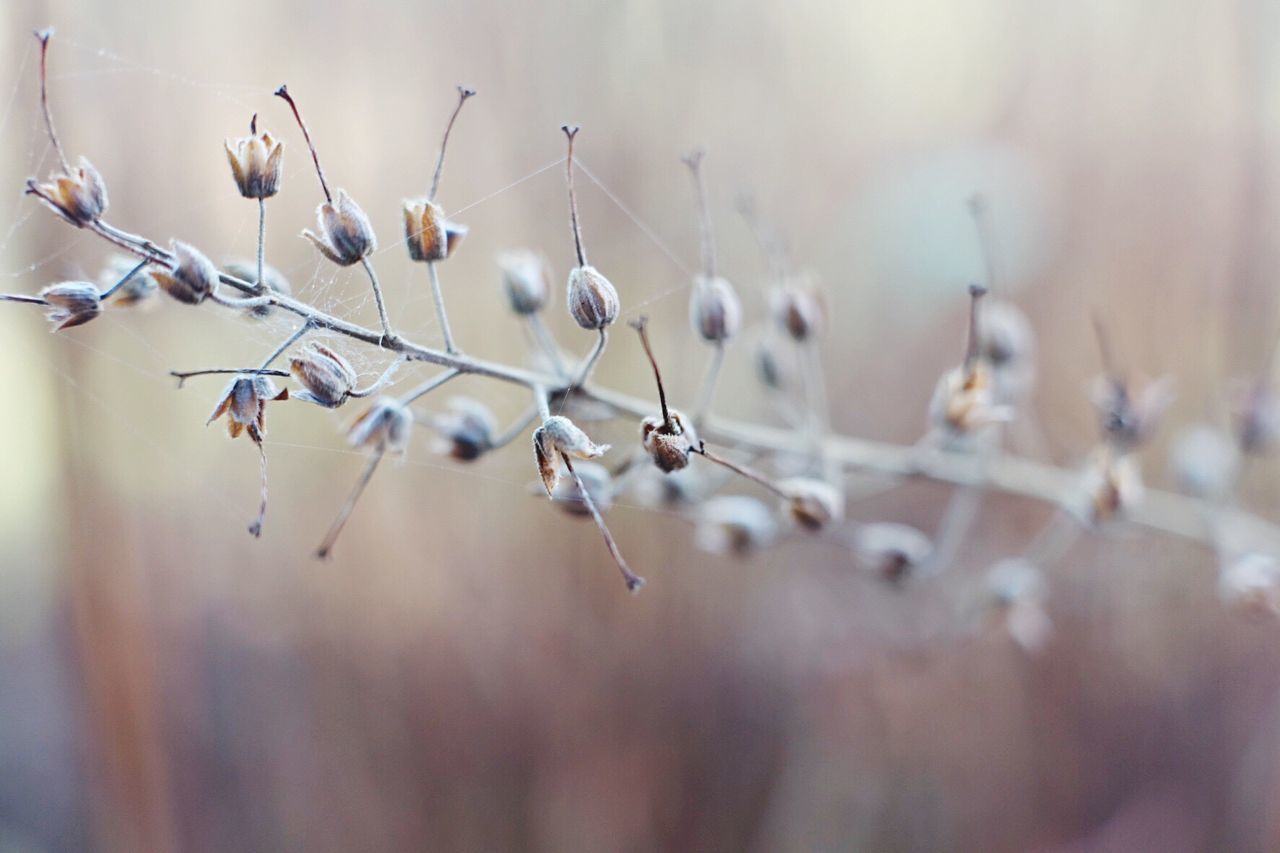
(743, 470)
(284, 345)
(183, 375)
(708, 391)
(262, 244)
(256, 527)
(584, 373)
(237, 304)
(463, 94)
(283, 92)
(708, 242)
(343, 514)
(641, 326)
(571, 131)
(22, 297)
(387, 334)
(437, 296)
(111, 291)
(430, 385)
(381, 381)
(986, 241)
(517, 428)
(633, 581)
(548, 344)
(44, 36)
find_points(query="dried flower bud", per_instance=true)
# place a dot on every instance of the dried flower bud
(466, 429)
(526, 280)
(1257, 416)
(1130, 420)
(1015, 588)
(735, 524)
(593, 301)
(668, 442)
(559, 435)
(1111, 486)
(892, 551)
(964, 401)
(813, 504)
(1007, 343)
(715, 309)
(140, 287)
(271, 277)
(71, 303)
(244, 402)
(798, 308)
(1251, 583)
(384, 426)
(327, 377)
(192, 277)
(255, 163)
(427, 233)
(345, 237)
(1205, 462)
(599, 485)
(78, 195)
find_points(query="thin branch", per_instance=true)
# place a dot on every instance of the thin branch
(22, 297)
(288, 342)
(750, 473)
(570, 131)
(437, 296)
(326, 547)
(986, 241)
(548, 344)
(183, 375)
(387, 334)
(633, 581)
(517, 428)
(584, 373)
(283, 92)
(262, 240)
(463, 94)
(641, 325)
(973, 345)
(707, 393)
(694, 161)
(111, 291)
(381, 381)
(44, 36)
(430, 385)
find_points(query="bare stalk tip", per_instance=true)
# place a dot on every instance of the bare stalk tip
(570, 131)
(253, 125)
(43, 36)
(283, 93)
(641, 325)
(463, 94)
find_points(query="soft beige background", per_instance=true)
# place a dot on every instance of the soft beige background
(467, 673)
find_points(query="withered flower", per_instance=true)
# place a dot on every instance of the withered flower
(71, 303)
(592, 298)
(1111, 485)
(813, 504)
(256, 162)
(671, 438)
(526, 280)
(1130, 419)
(244, 402)
(466, 430)
(559, 435)
(715, 309)
(734, 524)
(192, 277)
(78, 195)
(798, 308)
(386, 425)
(427, 233)
(327, 377)
(892, 551)
(346, 236)
(964, 399)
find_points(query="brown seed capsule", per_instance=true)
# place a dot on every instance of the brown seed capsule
(714, 309)
(813, 504)
(668, 442)
(256, 162)
(526, 280)
(192, 277)
(71, 303)
(244, 402)
(593, 300)
(384, 426)
(78, 195)
(345, 237)
(798, 308)
(271, 277)
(892, 551)
(427, 233)
(599, 485)
(466, 430)
(327, 377)
(559, 435)
(737, 525)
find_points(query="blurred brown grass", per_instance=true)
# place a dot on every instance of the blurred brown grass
(467, 673)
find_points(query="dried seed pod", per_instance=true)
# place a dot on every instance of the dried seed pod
(892, 551)
(1257, 417)
(327, 377)
(71, 303)
(1205, 462)
(775, 368)
(735, 524)
(256, 162)
(78, 195)
(668, 442)
(559, 435)
(1251, 583)
(798, 308)
(526, 280)
(427, 233)
(244, 402)
(1016, 589)
(715, 310)
(271, 277)
(593, 300)
(599, 485)
(1007, 343)
(1112, 485)
(466, 430)
(964, 401)
(1128, 419)
(140, 287)
(813, 504)
(345, 235)
(192, 277)
(384, 426)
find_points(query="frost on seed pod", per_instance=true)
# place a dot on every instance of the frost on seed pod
(327, 377)
(427, 233)
(526, 280)
(1130, 419)
(384, 426)
(813, 504)
(271, 277)
(244, 402)
(1251, 582)
(599, 485)
(798, 308)
(559, 435)
(140, 287)
(1257, 417)
(736, 525)
(715, 309)
(78, 195)
(669, 443)
(593, 300)
(466, 430)
(71, 303)
(192, 277)
(1112, 485)
(1205, 462)
(345, 237)
(892, 551)
(255, 162)
(964, 401)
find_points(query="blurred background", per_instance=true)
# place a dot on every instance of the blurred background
(467, 672)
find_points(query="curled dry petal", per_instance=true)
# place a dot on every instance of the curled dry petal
(256, 164)
(559, 435)
(71, 303)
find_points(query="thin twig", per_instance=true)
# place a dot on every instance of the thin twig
(111, 291)
(288, 342)
(463, 94)
(633, 581)
(570, 131)
(517, 428)
(22, 297)
(262, 243)
(748, 472)
(437, 296)
(548, 344)
(44, 36)
(183, 375)
(694, 161)
(283, 92)
(641, 324)
(584, 373)
(326, 547)
(377, 298)
(707, 393)
(430, 385)
(381, 381)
